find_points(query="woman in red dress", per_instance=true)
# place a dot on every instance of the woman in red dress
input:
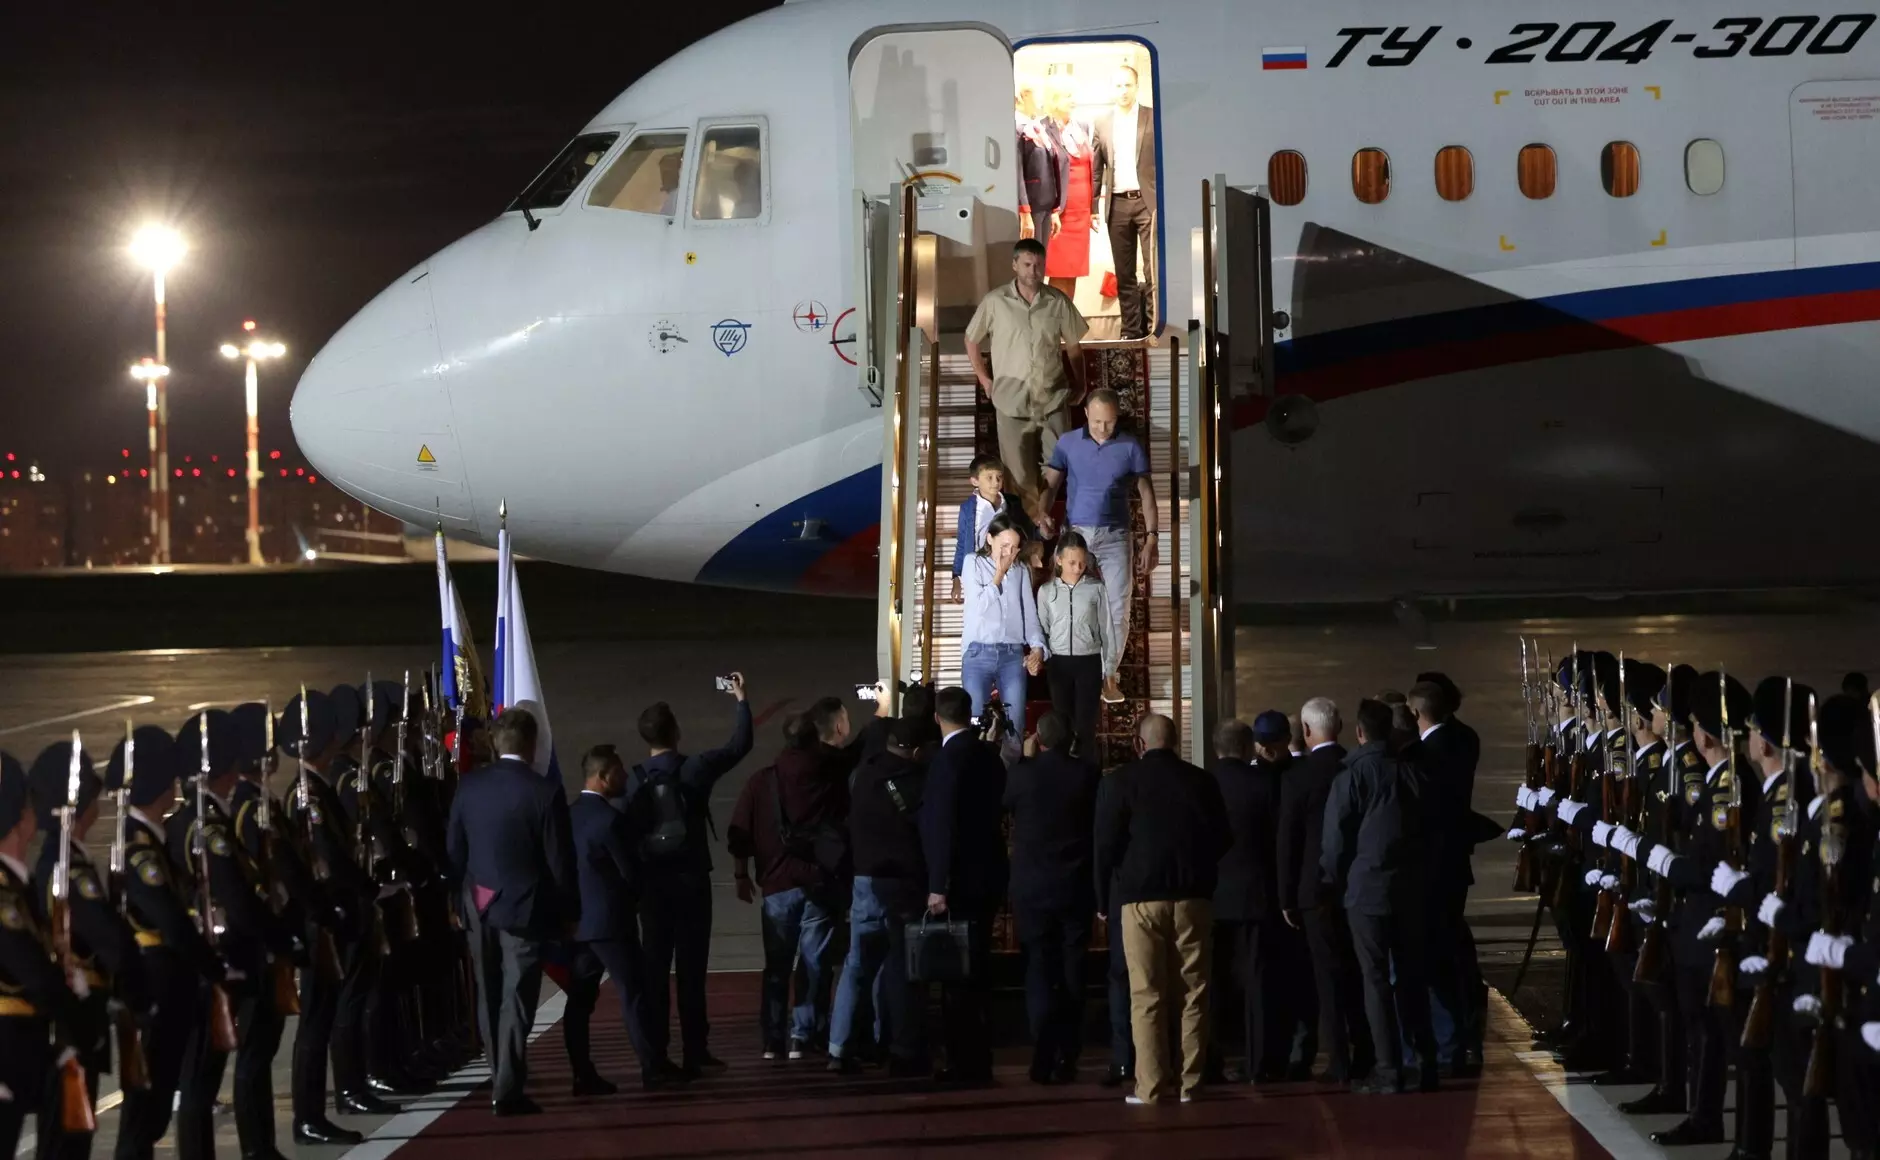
(1069, 257)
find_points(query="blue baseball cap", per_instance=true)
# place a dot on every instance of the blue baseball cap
(1272, 727)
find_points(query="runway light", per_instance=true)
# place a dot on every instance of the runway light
(248, 324)
(143, 473)
(127, 453)
(157, 248)
(300, 471)
(110, 479)
(9, 457)
(215, 459)
(179, 473)
(313, 479)
(274, 455)
(195, 473)
(230, 350)
(283, 473)
(231, 473)
(311, 554)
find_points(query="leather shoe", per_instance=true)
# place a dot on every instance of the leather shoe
(517, 1106)
(1114, 1076)
(1656, 1102)
(363, 1104)
(1687, 1133)
(594, 1085)
(324, 1131)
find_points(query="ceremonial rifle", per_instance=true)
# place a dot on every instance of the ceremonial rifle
(1759, 1024)
(221, 1016)
(133, 1067)
(408, 909)
(75, 1111)
(1723, 967)
(1608, 811)
(1651, 950)
(1619, 934)
(1527, 820)
(286, 989)
(362, 846)
(1818, 1081)
(325, 952)
(1564, 885)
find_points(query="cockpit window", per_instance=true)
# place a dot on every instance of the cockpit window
(645, 178)
(730, 174)
(564, 175)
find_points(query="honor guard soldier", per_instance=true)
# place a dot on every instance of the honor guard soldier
(1598, 1006)
(331, 1009)
(103, 948)
(1857, 1070)
(35, 995)
(1564, 853)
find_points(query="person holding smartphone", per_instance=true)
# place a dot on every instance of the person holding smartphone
(1002, 643)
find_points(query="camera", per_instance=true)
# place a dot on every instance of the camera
(994, 724)
(724, 684)
(868, 692)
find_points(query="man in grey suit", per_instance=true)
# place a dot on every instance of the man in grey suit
(1125, 190)
(510, 847)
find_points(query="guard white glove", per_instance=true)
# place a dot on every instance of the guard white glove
(1660, 859)
(1754, 965)
(1871, 1033)
(1724, 879)
(1713, 930)
(1523, 798)
(1602, 833)
(81, 986)
(1644, 910)
(1592, 877)
(1766, 913)
(1827, 950)
(1608, 881)
(1569, 810)
(1808, 1005)
(1627, 843)
(1546, 797)
(1516, 834)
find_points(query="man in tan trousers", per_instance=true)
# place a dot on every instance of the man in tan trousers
(1161, 833)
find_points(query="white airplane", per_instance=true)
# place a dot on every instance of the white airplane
(1581, 297)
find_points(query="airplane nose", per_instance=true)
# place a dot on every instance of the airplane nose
(371, 413)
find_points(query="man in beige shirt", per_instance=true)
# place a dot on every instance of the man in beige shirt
(1029, 324)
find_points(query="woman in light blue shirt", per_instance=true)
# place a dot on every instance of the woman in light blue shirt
(1002, 643)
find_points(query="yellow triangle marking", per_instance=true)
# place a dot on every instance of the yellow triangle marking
(424, 454)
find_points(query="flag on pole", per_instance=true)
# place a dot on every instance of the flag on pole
(517, 684)
(460, 670)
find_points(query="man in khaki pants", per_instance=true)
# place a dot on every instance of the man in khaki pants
(1161, 833)
(1029, 327)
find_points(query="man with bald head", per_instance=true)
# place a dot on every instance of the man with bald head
(1161, 833)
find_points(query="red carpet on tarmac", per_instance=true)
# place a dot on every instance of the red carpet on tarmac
(772, 1109)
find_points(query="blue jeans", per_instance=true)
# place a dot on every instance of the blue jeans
(983, 665)
(877, 962)
(795, 921)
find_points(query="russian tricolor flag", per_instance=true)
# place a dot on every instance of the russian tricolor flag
(516, 682)
(1272, 58)
(460, 669)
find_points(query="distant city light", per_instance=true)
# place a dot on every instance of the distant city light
(195, 472)
(283, 473)
(313, 479)
(110, 479)
(143, 473)
(249, 324)
(157, 248)
(297, 470)
(274, 455)
(127, 453)
(179, 473)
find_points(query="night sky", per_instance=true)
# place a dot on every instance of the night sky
(310, 152)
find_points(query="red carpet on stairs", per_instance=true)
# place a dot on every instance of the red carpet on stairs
(760, 1109)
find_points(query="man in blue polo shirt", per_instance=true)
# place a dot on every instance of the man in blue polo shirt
(1096, 464)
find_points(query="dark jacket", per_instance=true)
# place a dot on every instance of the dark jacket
(605, 867)
(962, 836)
(1374, 839)
(1304, 789)
(1248, 890)
(1043, 167)
(509, 832)
(814, 789)
(1103, 183)
(696, 775)
(884, 835)
(1161, 833)
(1449, 756)
(966, 524)
(1053, 802)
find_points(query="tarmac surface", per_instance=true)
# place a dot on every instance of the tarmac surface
(594, 691)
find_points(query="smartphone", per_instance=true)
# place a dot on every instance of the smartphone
(723, 684)
(868, 692)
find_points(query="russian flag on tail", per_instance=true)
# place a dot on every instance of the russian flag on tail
(516, 682)
(1283, 58)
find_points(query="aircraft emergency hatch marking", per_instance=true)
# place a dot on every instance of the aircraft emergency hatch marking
(1499, 94)
(664, 337)
(729, 335)
(1506, 244)
(1656, 92)
(842, 334)
(424, 454)
(810, 316)
(691, 258)
(1660, 239)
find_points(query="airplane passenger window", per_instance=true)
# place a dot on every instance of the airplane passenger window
(730, 174)
(1455, 173)
(1618, 168)
(1286, 177)
(1537, 172)
(645, 177)
(1703, 166)
(1370, 175)
(565, 174)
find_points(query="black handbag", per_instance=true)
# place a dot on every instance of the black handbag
(939, 950)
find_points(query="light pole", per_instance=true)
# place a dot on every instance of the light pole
(150, 373)
(157, 248)
(254, 352)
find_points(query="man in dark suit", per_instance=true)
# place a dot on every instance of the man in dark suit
(1053, 800)
(607, 937)
(962, 841)
(1248, 932)
(510, 849)
(1449, 751)
(1125, 168)
(1312, 905)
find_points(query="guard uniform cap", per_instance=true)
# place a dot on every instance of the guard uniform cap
(224, 744)
(321, 726)
(1707, 703)
(50, 777)
(1846, 734)
(1643, 681)
(250, 722)
(1767, 712)
(348, 710)
(156, 751)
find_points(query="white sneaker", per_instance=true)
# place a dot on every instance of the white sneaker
(1188, 1099)
(1132, 1099)
(796, 1049)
